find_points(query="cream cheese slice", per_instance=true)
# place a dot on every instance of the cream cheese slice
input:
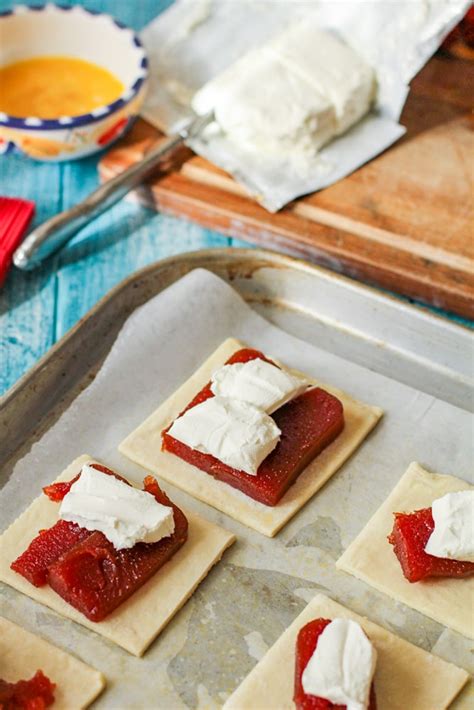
(235, 432)
(342, 666)
(259, 383)
(124, 514)
(453, 534)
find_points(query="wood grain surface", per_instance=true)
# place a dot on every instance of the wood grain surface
(403, 221)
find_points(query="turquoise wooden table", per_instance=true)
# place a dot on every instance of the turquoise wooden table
(38, 308)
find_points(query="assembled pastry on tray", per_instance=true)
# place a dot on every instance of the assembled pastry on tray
(330, 657)
(119, 560)
(109, 540)
(419, 548)
(250, 437)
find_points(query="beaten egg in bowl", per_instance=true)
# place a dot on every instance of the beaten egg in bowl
(71, 81)
(50, 87)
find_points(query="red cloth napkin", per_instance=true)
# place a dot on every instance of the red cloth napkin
(15, 215)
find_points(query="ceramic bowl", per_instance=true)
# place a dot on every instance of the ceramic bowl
(74, 32)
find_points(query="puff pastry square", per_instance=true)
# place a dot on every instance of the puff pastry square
(136, 622)
(143, 446)
(23, 653)
(406, 677)
(370, 557)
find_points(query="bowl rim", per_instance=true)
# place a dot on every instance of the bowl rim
(101, 112)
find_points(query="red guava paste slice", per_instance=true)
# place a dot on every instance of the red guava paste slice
(308, 424)
(95, 578)
(56, 491)
(50, 544)
(409, 536)
(45, 549)
(306, 644)
(33, 694)
(85, 569)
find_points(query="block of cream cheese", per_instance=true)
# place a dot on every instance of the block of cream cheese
(292, 95)
(265, 107)
(235, 432)
(258, 382)
(331, 67)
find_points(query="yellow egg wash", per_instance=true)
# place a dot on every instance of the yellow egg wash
(50, 87)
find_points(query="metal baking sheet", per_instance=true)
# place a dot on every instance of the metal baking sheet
(272, 578)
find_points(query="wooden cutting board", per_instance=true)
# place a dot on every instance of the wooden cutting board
(402, 222)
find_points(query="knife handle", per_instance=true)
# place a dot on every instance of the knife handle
(55, 232)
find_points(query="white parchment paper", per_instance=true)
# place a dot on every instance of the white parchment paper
(161, 345)
(194, 40)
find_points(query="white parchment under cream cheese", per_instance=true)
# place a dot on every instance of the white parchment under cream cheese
(453, 534)
(342, 666)
(124, 514)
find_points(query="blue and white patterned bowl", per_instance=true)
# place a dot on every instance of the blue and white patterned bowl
(42, 30)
